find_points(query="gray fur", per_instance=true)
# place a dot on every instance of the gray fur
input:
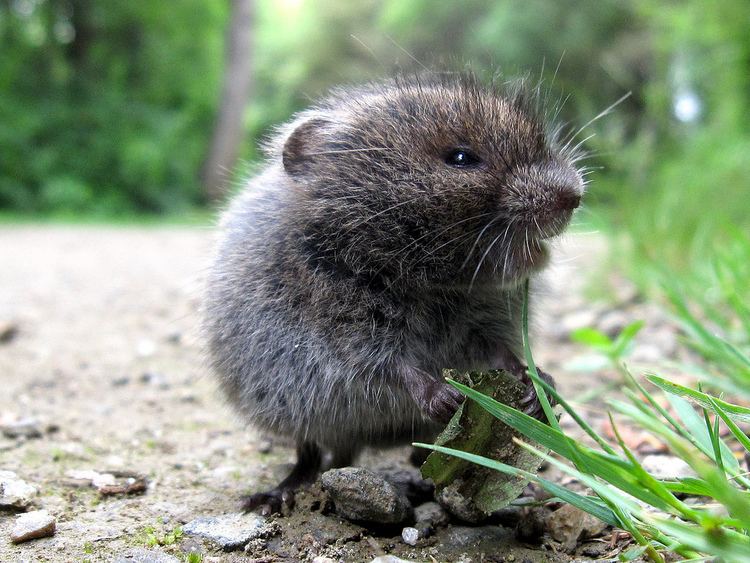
(358, 258)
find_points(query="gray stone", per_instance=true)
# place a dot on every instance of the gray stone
(265, 446)
(8, 331)
(667, 467)
(33, 525)
(389, 559)
(410, 535)
(229, 531)
(361, 495)
(15, 493)
(24, 428)
(141, 555)
(431, 513)
(568, 525)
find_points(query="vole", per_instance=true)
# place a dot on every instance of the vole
(388, 236)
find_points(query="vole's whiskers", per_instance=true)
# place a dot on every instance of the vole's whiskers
(601, 114)
(476, 242)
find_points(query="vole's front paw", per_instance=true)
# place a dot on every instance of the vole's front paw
(530, 403)
(275, 501)
(440, 401)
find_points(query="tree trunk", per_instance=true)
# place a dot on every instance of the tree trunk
(227, 135)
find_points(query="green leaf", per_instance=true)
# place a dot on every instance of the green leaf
(593, 338)
(625, 338)
(736, 412)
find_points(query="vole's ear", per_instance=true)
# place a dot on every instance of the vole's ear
(302, 145)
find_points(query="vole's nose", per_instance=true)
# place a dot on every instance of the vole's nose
(567, 201)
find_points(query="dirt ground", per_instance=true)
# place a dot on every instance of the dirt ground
(108, 364)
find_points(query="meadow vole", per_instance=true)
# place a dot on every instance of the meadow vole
(388, 236)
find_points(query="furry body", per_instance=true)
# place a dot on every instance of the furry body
(368, 256)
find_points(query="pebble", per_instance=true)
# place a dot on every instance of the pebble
(141, 555)
(229, 531)
(28, 428)
(265, 446)
(145, 348)
(320, 559)
(389, 559)
(88, 478)
(410, 535)
(15, 493)
(156, 379)
(8, 331)
(361, 495)
(667, 467)
(33, 525)
(565, 525)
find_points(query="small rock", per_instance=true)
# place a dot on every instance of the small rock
(145, 348)
(120, 381)
(141, 555)
(565, 525)
(174, 337)
(89, 478)
(568, 525)
(320, 559)
(389, 559)
(265, 446)
(431, 513)
(24, 428)
(361, 495)
(156, 379)
(15, 493)
(667, 467)
(410, 535)
(8, 331)
(229, 531)
(33, 525)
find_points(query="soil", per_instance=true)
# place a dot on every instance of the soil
(106, 360)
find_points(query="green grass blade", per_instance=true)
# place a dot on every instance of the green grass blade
(535, 379)
(737, 412)
(579, 501)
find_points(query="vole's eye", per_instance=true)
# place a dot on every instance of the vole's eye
(462, 158)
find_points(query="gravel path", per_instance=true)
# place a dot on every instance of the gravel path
(101, 370)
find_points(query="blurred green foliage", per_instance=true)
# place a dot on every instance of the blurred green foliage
(108, 107)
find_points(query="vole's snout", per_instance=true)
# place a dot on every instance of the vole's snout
(567, 201)
(545, 196)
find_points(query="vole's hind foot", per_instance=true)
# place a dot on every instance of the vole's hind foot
(281, 499)
(530, 403)
(275, 501)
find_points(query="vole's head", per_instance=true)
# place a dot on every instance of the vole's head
(440, 180)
